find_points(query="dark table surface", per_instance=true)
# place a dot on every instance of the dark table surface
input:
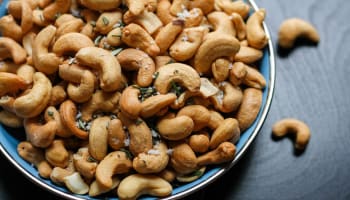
(312, 84)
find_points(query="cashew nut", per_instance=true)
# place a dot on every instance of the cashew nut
(148, 20)
(199, 142)
(70, 43)
(205, 5)
(58, 94)
(76, 184)
(238, 73)
(101, 5)
(220, 69)
(154, 104)
(98, 138)
(40, 135)
(35, 156)
(71, 26)
(293, 126)
(35, 101)
(175, 128)
(215, 119)
(96, 189)
(116, 162)
(21, 10)
(110, 72)
(249, 108)
(229, 7)
(11, 49)
(180, 73)
(228, 99)
(256, 35)
(183, 159)
(163, 13)
(129, 102)
(192, 176)
(168, 33)
(152, 161)
(116, 134)
(84, 163)
(292, 29)
(135, 185)
(10, 119)
(227, 130)
(9, 28)
(52, 114)
(133, 59)
(56, 8)
(223, 153)
(239, 25)
(11, 83)
(56, 154)
(248, 55)
(107, 20)
(254, 78)
(199, 114)
(136, 7)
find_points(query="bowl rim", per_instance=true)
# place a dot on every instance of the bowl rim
(213, 178)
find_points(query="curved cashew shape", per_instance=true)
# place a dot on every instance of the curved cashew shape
(248, 55)
(100, 101)
(215, 119)
(10, 119)
(293, 126)
(183, 159)
(256, 35)
(148, 20)
(6, 102)
(98, 138)
(294, 28)
(205, 5)
(167, 35)
(154, 104)
(58, 94)
(227, 130)
(11, 83)
(107, 20)
(129, 102)
(187, 43)
(136, 7)
(38, 18)
(84, 164)
(34, 102)
(116, 134)
(26, 12)
(136, 185)
(70, 43)
(135, 36)
(220, 69)
(52, 114)
(116, 162)
(11, 49)
(183, 74)
(101, 5)
(134, 59)
(239, 25)
(110, 72)
(228, 99)
(152, 161)
(71, 26)
(222, 23)
(68, 111)
(35, 156)
(238, 73)
(175, 128)
(40, 135)
(249, 108)
(43, 61)
(78, 75)
(225, 152)
(254, 78)
(56, 154)
(10, 28)
(56, 8)
(229, 7)
(198, 113)
(163, 13)
(199, 142)
(96, 189)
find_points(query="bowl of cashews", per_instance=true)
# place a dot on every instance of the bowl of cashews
(131, 99)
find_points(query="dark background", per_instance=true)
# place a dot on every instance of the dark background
(312, 84)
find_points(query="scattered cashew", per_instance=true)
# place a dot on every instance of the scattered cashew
(168, 34)
(256, 35)
(101, 5)
(293, 126)
(51, 114)
(228, 98)
(248, 55)
(292, 29)
(10, 28)
(76, 184)
(84, 164)
(136, 185)
(40, 135)
(116, 134)
(199, 114)
(129, 102)
(154, 104)
(107, 20)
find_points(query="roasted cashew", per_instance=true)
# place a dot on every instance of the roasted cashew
(21, 10)
(35, 156)
(178, 6)
(71, 26)
(76, 184)
(9, 28)
(167, 35)
(135, 185)
(43, 60)
(96, 189)
(221, 69)
(6, 102)
(154, 104)
(56, 154)
(222, 23)
(182, 99)
(167, 174)
(180, 73)
(133, 59)
(207, 88)
(116, 134)
(160, 61)
(78, 75)
(58, 94)
(40, 135)
(175, 128)
(148, 20)
(135, 36)
(249, 108)
(70, 43)
(107, 20)
(57, 175)
(199, 114)
(194, 17)
(205, 5)
(100, 102)
(26, 72)
(254, 78)
(129, 102)
(199, 142)
(293, 126)
(116, 162)
(52, 114)
(228, 98)
(256, 35)
(228, 130)
(238, 73)
(215, 120)
(56, 8)
(84, 164)
(10, 119)
(152, 161)
(101, 5)
(292, 29)
(114, 37)
(68, 111)
(38, 18)
(240, 26)
(223, 153)
(35, 101)
(11, 83)
(136, 7)
(111, 78)
(163, 13)
(187, 43)
(248, 55)
(229, 7)
(98, 138)
(183, 159)
(11, 49)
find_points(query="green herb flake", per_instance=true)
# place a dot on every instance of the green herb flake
(155, 75)
(116, 51)
(118, 36)
(81, 124)
(50, 113)
(138, 122)
(105, 20)
(127, 152)
(170, 61)
(91, 159)
(57, 15)
(98, 40)
(175, 88)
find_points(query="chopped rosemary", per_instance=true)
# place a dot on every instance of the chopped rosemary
(146, 92)
(91, 159)
(50, 113)
(98, 39)
(105, 20)
(119, 36)
(176, 88)
(138, 121)
(116, 51)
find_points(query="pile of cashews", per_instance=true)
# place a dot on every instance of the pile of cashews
(129, 97)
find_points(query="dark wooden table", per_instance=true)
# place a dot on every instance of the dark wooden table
(313, 85)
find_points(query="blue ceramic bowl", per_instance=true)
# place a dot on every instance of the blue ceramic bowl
(9, 138)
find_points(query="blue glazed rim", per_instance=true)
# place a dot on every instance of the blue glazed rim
(8, 143)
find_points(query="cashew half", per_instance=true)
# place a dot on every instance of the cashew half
(292, 29)
(84, 164)
(11, 49)
(256, 35)
(11, 83)
(129, 102)
(154, 104)
(40, 135)
(183, 159)
(293, 126)
(198, 113)
(70, 43)
(175, 128)
(10, 28)
(227, 130)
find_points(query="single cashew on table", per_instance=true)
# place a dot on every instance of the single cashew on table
(113, 95)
